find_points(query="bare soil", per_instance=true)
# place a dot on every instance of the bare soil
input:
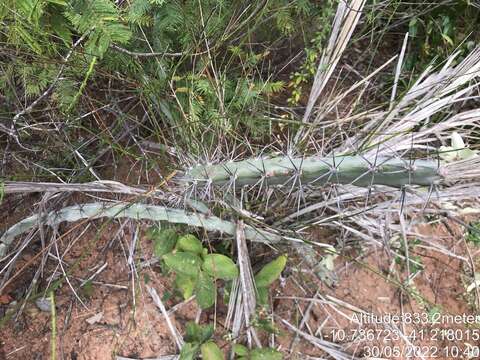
(116, 315)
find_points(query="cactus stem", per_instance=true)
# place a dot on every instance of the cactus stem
(356, 170)
(133, 211)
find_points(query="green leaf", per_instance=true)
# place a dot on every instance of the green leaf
(29, 40)
(262, 296)
(267, 325)
(447, 39)
(185, 263)
(413, 27)
(473, 234)
(58, 2)
(458, 150)
(102, 21)
(211, 351)
(466, 154)
(60, 27)
(198, 333)
(457, 141)
(270, 272)
(189, 351)
(205, 290)
(227, 291)
(240, 350)
(447, 153)
(325, 269)
(164, 240)
(265, 354)
(220, 266)
(87, 289)
(186, 284)
(190, 243)
(146, 278)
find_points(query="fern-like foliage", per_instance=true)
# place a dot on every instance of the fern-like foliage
(101, 19)
(26, 19)
(219, 84)
(140, 13)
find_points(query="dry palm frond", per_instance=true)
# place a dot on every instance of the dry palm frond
(344, 24)
(103, 186)
(247, 299)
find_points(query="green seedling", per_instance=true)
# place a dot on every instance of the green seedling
(211, 351)
(243, 353)
(195, 269)
(266, 276)
(473, 234)
(197, 339)
(220, 266)
(164, 240)
(415, 264)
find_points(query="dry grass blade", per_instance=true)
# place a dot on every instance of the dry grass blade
(247, 286)
(344, 24)
(173, 330)
(398, 70)
(464, 170)
(102, 186)
(332, 349)
(437, 92)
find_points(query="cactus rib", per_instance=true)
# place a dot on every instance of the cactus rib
(135, 211)
(355, 170)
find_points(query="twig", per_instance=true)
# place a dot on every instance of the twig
(332, 349)
(29, 108)
(158, 302)
(305, 319)
(99, 283)
(53, 340)
(153, 54)
(90, 278)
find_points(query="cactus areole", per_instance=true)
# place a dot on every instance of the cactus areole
(355, 170)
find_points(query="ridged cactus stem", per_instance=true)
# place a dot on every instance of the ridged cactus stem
(354, 170)
(134, 211)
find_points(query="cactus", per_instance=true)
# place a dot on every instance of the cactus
(134, 211)
(355, 170)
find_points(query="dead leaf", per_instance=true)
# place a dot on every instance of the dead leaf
(5, 299)
(95, 318)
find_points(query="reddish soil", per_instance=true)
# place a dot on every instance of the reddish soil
(129, 324)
